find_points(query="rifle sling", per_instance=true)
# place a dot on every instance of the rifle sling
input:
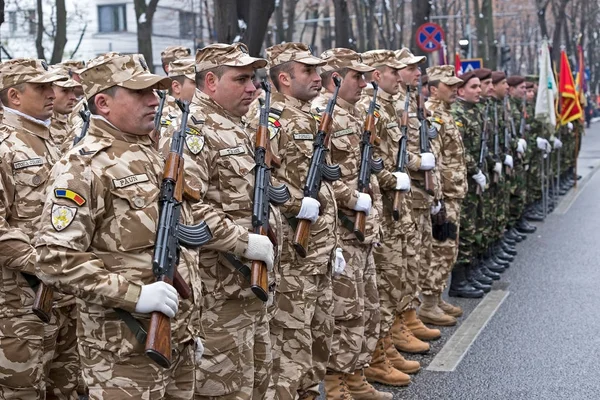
(133, 324)
(238, 265)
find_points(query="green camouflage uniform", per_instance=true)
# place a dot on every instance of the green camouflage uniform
(518, 192)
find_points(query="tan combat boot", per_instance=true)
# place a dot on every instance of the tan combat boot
(450, 309)
(381, 370)
(360, 389)
(431, 313)
(396, 359)
(405, 340)
(418, 328)
(336, 387)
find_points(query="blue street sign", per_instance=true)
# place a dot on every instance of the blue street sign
(468, 65)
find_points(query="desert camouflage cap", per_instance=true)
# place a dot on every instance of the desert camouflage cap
(339, 58)
(292, 51)
(113, 69)
(74, 65)
(406, 57)
(183, 67)
(444, 74)
(230, 55)
(380, 58)
(173, 53)
(67, 72)
(26, 70)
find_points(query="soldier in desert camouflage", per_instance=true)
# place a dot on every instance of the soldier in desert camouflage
(64, 104)
(35, 363)
(97, 235)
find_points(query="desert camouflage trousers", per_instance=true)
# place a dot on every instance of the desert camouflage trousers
(237, 349)
(411, 253)
(301, 330)
(444, 253)
(424, 238)
(38, 360)
(132, 375)
(355, 309)
(390, 267)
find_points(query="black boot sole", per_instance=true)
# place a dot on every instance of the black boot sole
(467, 295)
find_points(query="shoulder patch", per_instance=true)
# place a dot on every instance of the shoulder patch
(274, 125)
(62, 216)
(376, 114)
(459, 124)
(194, 143)
(75, 197)
(165, 122)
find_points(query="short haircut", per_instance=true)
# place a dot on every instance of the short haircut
(434, 84)
(369, 75)
(287, 67)
(180, 79)
(218, 71)
(326, 77)
(4, 94)
(111, 91)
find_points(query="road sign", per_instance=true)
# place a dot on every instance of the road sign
(430, 37)
(470, 64)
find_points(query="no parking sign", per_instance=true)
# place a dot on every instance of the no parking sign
(430, 37)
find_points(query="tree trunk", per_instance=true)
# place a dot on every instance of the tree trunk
(421, 11)
(370, 25)
(326, 38)
(291, 18)
(60, 40)
(39, 34)
(360, 23)
(144, 29)
(279, 29)
(542, 6)
(226, 20)
(558, 9)
(491, 53)
(256, 16)
(342, 23)
(313, 38)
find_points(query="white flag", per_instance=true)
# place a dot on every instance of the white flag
(547, 89)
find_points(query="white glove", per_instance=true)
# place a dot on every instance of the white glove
(498, 168)
(557, 144)
(541, 143)
(436, 208)
(339, 263)
(198, 351)
(427, 161)
(260, 248)
(521, 146)
(508, 160)
(480, 178)
(570, 126)
(309, 209)
(363, 203)
(158, 296)
(402, 181)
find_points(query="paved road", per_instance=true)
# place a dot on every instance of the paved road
(544, 340)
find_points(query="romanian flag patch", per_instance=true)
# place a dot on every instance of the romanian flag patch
(69, 194)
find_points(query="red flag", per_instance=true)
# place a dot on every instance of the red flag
(457, 64)
(570, 109)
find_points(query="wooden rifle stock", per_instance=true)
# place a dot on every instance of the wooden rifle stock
(158, 340)
(301, 237)
(429, 186)
(42, 302)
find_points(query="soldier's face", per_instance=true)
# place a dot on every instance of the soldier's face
(471, 91)
(530, 94)
(410, 75)
(65, 99)
(234, 91)
(487, 89)
(389, 80)
(132, 111)
(305, 82)
(521, 90)
(36, 100)
(352, 86)
(501, 89)
(446, 93)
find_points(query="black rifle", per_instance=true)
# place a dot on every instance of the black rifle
(264, 193)
(523, 122)
(401, 156)
(424, 137)
(170, 234)
(507, 134)
(85, 116)
(318, 169)
(157, 117)
(483, 143)
(367, 164)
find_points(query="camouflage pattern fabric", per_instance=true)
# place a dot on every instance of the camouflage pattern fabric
(74, 124)
(466, 117)
(100, 192)
(292, 128)
(371, 313)
(59, 129)
(501, 190)
(519, 190)
(486, 221)
(453, 171)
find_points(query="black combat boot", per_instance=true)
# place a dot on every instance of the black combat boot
(501, 254)
(508, 248)
(525, 227)
(489, 273)
(474, 282)
(512, 235)
(475, 271)
(518, 234)
(460, 287)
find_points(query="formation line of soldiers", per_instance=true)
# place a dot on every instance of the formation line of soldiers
(443, 180)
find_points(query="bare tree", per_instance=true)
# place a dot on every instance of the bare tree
(60, 37)
(342, 23)
(144, 13)
(39, 35)
(421, 10)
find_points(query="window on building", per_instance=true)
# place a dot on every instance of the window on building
(12, 21)
(112, 18)
(186, 24)
(31, 21)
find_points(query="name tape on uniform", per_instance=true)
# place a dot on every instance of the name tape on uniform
(32, 162)
(303, 136)
(130, 180)
(232, 151)
(343, 132)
